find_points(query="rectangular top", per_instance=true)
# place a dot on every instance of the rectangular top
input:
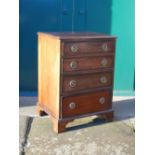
(77, 35)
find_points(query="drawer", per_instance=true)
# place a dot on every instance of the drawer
(88, 63)
(87, 81)
(86, 103)
(76, 48)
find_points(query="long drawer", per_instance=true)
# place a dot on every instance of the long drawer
(87, 81)
(88, 63)
(86, 103)
(82, 48)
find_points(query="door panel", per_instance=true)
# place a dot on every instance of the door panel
(36, 15)
(80, 15)
(67, 15)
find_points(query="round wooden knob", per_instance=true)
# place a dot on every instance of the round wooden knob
(72, 83)
(104, 62)
(101, 100)
(74, 48)
(72, 105)
(103, 79)
(73, 64)
(104, 47)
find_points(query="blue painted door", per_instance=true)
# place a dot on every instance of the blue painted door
(35, 15)
(106, 16)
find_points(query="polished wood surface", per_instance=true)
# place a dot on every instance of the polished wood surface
(74, 35)
(84, 48)
(86, 103)
(87, 81)
(75, 76)
(88, 63)
(59, 126)
(49, 73)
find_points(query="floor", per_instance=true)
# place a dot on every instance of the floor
(86, 136)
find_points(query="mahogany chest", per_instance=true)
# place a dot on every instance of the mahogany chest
(75, 76)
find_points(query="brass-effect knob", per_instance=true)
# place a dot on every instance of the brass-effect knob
(72, 83)
(104, 62)
(104, 47)
(72, 105)
(73, 64)
(102, 100)
(103, 79)
(74, 48)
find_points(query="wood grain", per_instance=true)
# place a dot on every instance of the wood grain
(86, 103)
(88, 63)
(87, 81)
(77, 35)
(49, 73)
(55, 92)
(89, 47)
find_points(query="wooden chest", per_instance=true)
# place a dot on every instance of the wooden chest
(75, 76)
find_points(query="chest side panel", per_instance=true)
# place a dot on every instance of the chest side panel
(49, 74)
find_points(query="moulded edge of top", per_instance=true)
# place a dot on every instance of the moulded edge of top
(76, 35)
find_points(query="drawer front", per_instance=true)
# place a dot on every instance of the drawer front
(76, 48)
(88, 63)
(87, 81)
(86, 103)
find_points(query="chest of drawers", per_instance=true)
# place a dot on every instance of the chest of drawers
(75, 76)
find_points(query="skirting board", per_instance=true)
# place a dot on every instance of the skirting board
(115, 93)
